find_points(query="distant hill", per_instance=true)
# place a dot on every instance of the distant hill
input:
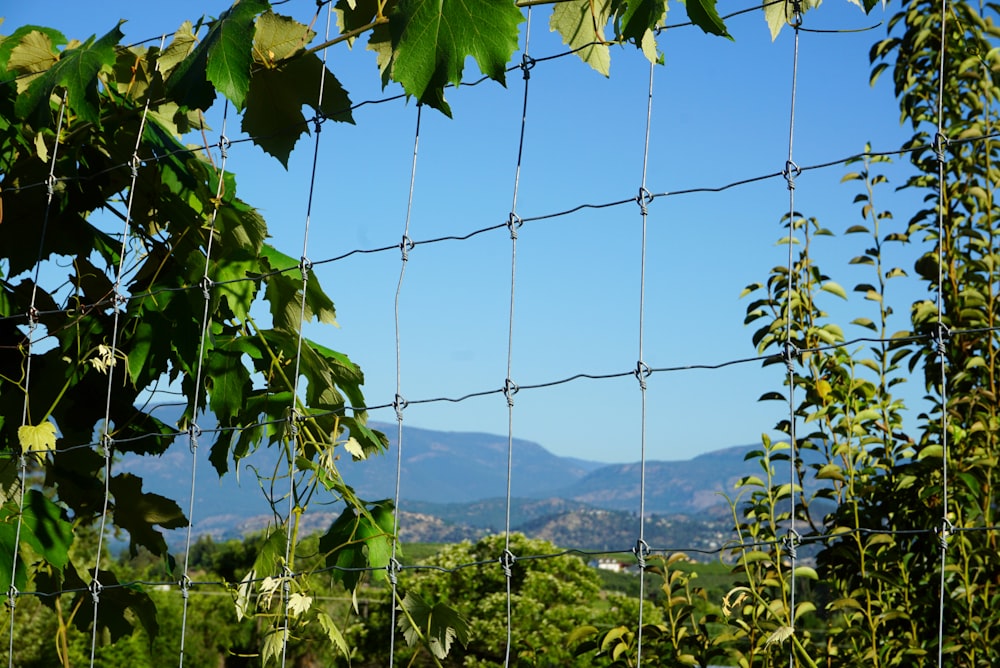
(453, 486)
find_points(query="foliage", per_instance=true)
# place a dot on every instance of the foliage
(549, 598)
(191, 294)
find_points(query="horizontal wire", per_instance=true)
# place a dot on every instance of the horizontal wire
(732, 547)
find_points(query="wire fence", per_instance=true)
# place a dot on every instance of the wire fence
(36, 328)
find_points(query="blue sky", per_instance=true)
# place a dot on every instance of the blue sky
(720, 114)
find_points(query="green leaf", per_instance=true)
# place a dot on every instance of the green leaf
(274, 104)
(359, 540)
(780, 14)
(222, 58)
(39, 438)
(581, 24)
(440, 625)
(432, 38)
(44, 527)
(834, 289)
(139, 512)
(333, 633)
(704, 15)
(33, 55)
(77, 71)
(10, 42)
(637, 22)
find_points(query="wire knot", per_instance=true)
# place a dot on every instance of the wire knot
(393, 568)
(33, 315)
(507, 560)
(134, 166)
(790, 355)
(95, 588)
(941, 142)
(527, 63)
(941, 337)
(641, 551)
(514, 223)
(194, 433)
(107, 445)
(944, 532)
(185, 584)
(644, 199)
(206, 285)
(224, 145)
(293, 422)
(318, 121)
(642, 372)
(400, 404)
(12, 594)
(405, 246)
(510, 388)
(790, 543)
(50, 185)
(305, 266)
(791, 172)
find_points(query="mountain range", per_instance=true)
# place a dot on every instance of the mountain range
(453, 486)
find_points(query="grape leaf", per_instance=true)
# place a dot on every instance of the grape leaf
(581, 24)
(224, 58)
(704, 15)
(277, 94)
(780, 14)
(77, 71)
(440, 625)
(432, 38)
(359, 15)
(639, 17)
(138, 512)
(37, 438)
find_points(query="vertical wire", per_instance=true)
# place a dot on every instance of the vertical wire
(193, 430)
(400, 404)
(32, 324)
(642, 370)
(939, 144)
(304, 268)
(510, 388)
(107, 443)
(791, 171)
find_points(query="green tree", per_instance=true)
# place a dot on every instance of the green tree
(550, 597)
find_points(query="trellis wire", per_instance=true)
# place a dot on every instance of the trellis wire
(399, 401)
(292, 519)
(193, 430)
(940, 143)
(107, 444)
(12, 592)
(510, 388)
(642, 371)
(790, 543)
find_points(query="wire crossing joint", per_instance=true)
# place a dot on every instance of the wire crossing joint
(399, 404)
(790, 543)
(644, 199)
(642, 372)
(791, 172)
(641, 552)
(514, 223)
(393, 568)
(507, 560)
(944, 532)
(510, 388)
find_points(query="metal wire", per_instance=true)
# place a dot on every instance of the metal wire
(791, 171)
(940, 141)
(405, 247)
(510, 388)
(641, 369)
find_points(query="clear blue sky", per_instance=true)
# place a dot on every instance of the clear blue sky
(720, 114)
